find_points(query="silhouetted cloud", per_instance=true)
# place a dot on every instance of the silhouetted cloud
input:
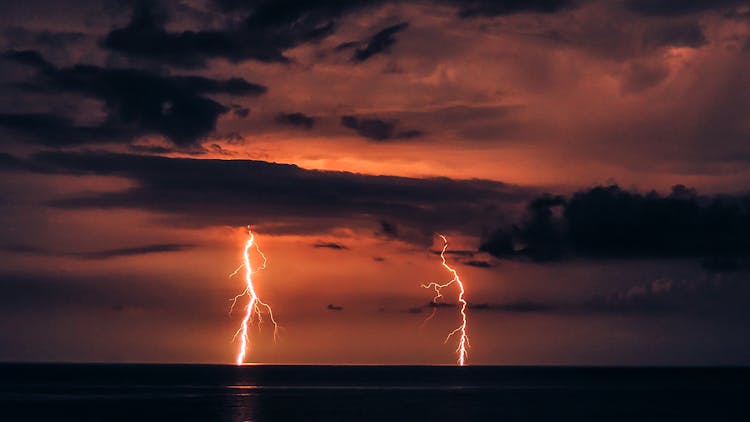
(377, 129)
(522, 306)
(711, 296)
(240, 111)
(677, 7)
(54, 130)
(330, 245)
(9, 162)
(23, 249)
(478, 263)
(296, 119)
(609, 222)
(228, 192)
(100, 293)
(457, 252)
(262, 36)
(19, 35)
(704, 296)
(471, 8)
(133, 251)
(379, 43)
(388, 229)
(138, 102)
(102, 254)
(681, 34)
(332, 307)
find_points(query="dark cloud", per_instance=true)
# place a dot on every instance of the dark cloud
(238, 192)
(678, 7)
(478, 263)
(23, 249)
(155, 149)
(330, 245)
(707, 296)
(296, 119)
(472, 8)
(133, 251)
(440, 305)
(102, 293)
(103, 254)
(282, 13)
(53, 130)
(19, 36)
(388, 229)
(377, 129)
(286, 11)
(379, 43)
(9, 162)
(685, 34)
(712, 296)
(332, 307)
(462, 253)
(261, 36)
(522, 306)
(608, 222)
(138, 102)
(240, 111)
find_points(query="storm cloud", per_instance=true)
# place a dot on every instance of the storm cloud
(609, 222)
(228, 192)
(138, 102)
(260, 37)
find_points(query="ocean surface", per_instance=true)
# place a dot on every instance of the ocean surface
(84, 392)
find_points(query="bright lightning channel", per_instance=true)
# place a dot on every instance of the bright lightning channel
(255, 306)
(461, 330)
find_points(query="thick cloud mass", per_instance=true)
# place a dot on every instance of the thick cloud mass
(229, 192)
(258, 38)
(677, 7)
(138, 102)
(272, 27)
(471, 8)
(609, 222)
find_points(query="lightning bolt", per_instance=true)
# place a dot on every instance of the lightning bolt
(255, 306)
(461, 330)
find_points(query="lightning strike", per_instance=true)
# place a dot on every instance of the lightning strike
(255, 306)
(461, 330)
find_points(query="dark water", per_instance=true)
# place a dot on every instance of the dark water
(53, 392)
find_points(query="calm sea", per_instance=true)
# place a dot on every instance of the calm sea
(83, 392)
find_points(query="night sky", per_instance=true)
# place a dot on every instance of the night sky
(589, 161)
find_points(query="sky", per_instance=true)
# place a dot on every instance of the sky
(588, 161)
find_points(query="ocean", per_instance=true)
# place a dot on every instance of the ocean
(259, 393)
